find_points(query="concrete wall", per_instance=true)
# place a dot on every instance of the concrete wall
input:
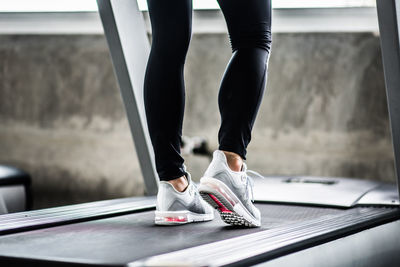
(62, 119)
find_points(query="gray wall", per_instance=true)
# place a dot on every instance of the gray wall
(62, 119)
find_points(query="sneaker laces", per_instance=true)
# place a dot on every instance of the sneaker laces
(195, 189)
(250, 181)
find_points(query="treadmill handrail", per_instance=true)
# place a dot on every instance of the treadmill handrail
(388, 18)
(129, 48)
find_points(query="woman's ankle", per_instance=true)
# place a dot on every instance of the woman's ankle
(235, 161)
(180, 184)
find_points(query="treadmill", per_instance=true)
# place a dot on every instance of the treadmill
(306, 220)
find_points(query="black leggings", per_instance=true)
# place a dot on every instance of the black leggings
(242, 86)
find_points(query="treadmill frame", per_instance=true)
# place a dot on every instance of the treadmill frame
(127, 39)
(388, 18)
(126, 36)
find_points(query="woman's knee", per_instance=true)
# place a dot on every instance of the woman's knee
(255, 36)
(249, 23)
(171, 27)
(172, 44)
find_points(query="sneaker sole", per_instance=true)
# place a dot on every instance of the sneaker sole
(180, 217)
(230, 208)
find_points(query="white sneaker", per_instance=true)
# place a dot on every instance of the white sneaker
(174, 207)
(229, 192)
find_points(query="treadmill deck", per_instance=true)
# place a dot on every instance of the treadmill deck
(123, 239)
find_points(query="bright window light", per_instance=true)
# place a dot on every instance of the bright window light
(47, 5)
(91, 6)
(322, 3)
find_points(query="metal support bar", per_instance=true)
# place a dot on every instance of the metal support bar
(125, 32)
(388, 17)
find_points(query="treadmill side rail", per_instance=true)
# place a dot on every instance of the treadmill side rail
(369, 248)
(45, 218)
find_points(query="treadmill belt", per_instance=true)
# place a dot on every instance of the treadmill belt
(126, 238)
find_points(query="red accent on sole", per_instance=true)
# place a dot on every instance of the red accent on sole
(221, 207)
(173, 219)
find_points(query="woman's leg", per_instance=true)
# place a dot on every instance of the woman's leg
(225, 184)
(164, 89)
(242, 86)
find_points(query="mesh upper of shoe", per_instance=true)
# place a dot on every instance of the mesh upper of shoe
(169, 199)
(239, 182)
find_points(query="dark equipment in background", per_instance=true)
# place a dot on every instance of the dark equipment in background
(15, 190)
(196, 145)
